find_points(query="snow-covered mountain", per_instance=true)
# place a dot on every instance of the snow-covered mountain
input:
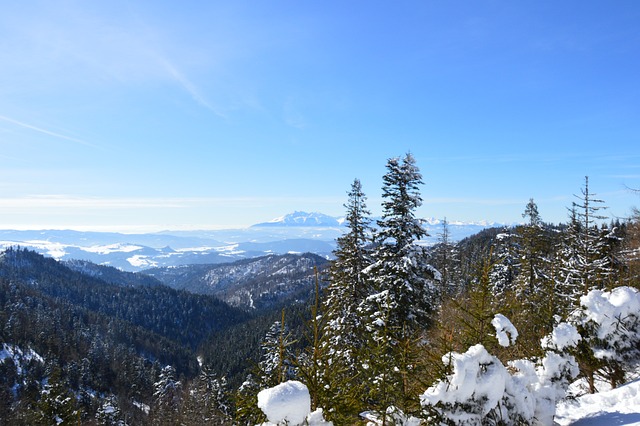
(302, 219)
(296, 232)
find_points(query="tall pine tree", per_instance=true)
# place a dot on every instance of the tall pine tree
(585, 260)
(400, 267)
(343, 339)
(403, 290)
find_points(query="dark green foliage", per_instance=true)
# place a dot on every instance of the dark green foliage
(110, 274)
(96, 337)
(340, 344)
(265, 282)
(403, 293)
(183, 317)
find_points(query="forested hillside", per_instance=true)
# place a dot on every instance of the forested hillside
(381, 332)
(256, 283)
(99, 340)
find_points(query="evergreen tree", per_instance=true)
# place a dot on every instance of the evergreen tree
(446, 259)
(343, 339)
(312, 366)
(474, 311)
(207, 401)
(246, 402)
(535, 301)
(400, 266)
(630, 252)
(505, 262)
(167, 397)
(403, 289)
(586, 264)
(57, 404)
(530, 248)
(109, 413)
(276, 366)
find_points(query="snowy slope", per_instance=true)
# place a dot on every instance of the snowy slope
(619, 406)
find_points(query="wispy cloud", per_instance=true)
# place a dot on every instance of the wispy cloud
(46, 132)
(191, 88)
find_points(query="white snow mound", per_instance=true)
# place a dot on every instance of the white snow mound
(287, 402)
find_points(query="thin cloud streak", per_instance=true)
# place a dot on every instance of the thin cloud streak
(45, 131)
(187, 85)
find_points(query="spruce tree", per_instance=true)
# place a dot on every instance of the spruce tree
(167, 397)
(470, 322)
(586, 264)
(535, 301)
(400, 266)
(276, 365)
(446, 258)
(505, 262)
(207, 401)
(348, 286)
(403, 290)
(57, 404)
(343, 340)
(531, 249)
(630, 252)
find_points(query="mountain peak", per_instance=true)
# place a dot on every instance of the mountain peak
(300, 218)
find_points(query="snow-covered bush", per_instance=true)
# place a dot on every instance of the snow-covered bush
(289, 404)
(609, 322)
(481, 390)
(473, 392)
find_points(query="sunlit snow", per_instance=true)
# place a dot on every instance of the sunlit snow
(141, 261)
(620, 406)
(112, 248)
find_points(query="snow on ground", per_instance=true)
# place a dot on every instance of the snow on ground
(112, 248)
(620, 406)
(55, 250)
(141, 261)
(18, 356)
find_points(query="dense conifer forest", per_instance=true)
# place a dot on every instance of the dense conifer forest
(369, 332)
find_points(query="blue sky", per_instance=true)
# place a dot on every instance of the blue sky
(153, 115)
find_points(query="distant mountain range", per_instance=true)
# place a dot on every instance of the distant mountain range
(303, 219)
(297, 232)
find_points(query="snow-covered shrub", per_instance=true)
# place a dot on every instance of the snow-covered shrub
(475, 392)
(481, 391)
(609, 323)
(289, 403)
(555, 371)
